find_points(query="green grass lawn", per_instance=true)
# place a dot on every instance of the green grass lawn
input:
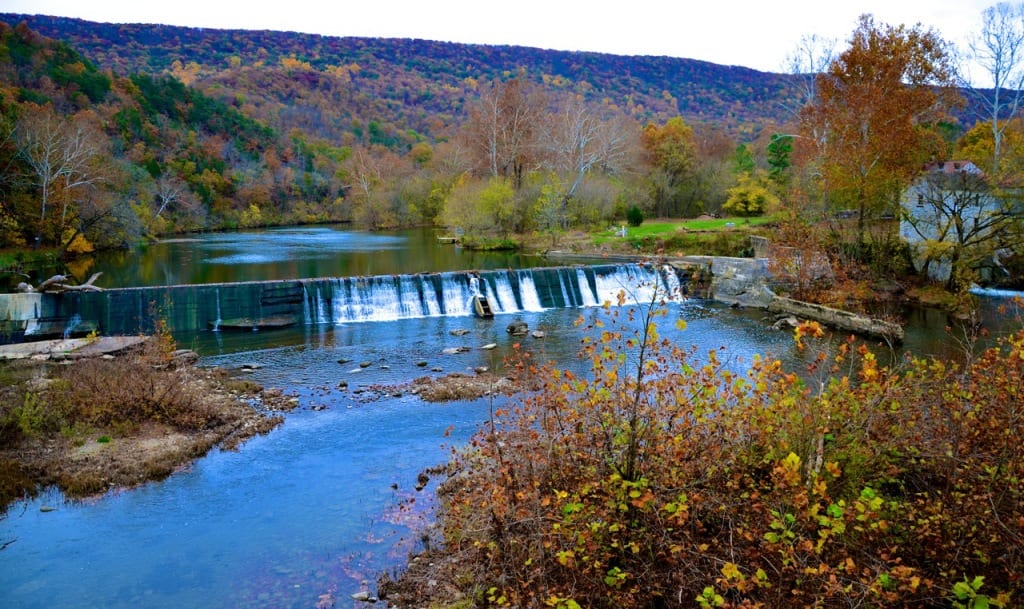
(666, 228)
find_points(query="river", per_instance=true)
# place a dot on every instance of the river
(311, 509)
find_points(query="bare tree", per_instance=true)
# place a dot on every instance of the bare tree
(812, 56)
(60, 153)
(958, 221)
(169, 190)
(374, 175)
(999, 49)
(579, 141)
(502, 126)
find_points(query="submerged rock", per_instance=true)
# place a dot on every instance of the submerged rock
(517, 328)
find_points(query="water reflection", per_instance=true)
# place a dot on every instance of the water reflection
(291, 253)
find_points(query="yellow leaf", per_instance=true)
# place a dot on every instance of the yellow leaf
(731, 571)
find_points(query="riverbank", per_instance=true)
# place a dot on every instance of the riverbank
(91, 416)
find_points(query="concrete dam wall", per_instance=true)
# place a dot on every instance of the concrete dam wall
(268, 304)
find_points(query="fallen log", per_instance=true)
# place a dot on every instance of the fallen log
(842, 320)
(58, 283)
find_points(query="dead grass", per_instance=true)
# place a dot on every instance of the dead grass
(94, 424)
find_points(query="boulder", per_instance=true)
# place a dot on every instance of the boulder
(517, 328)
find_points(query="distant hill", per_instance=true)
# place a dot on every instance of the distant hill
(208, 129)
(418, 85)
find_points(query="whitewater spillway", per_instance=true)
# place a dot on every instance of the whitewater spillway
(263, 304)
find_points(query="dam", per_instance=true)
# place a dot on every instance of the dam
(261, 305)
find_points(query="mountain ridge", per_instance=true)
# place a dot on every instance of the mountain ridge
(651, 88)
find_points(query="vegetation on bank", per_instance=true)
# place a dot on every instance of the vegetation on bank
(103, 150)
(93, 423)
(665, 478)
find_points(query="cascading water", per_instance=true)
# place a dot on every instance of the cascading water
(315, 301)
(73, 323)
(586, 291)
(393, 297)
(219, 320)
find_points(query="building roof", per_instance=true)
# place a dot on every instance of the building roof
(953, 167)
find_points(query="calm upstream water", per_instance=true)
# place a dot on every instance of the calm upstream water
(311, 509)
(289, 253)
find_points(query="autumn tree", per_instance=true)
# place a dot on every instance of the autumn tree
(481, 207)
(978, 146)
(61, 153)
(671, 152)
(875, 109)
(750, 197)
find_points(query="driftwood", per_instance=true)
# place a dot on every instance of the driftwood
(58, 283)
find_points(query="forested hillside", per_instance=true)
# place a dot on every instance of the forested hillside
(423, 85)
(111, 133)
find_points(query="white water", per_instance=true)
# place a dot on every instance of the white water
(589, 297)
(394, 297)
(994, 293)
(528, 292)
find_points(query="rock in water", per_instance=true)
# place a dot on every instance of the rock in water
(517, 328)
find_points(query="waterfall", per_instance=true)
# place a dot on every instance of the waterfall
(343, 300)
(528, 292)
(586, 290)
(219, 319)
(391, 297)
(673, 285)
(73, 323)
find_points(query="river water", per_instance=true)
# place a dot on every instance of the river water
(288, 253)
(311, 509)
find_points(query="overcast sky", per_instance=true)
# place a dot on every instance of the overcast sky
(754, 33)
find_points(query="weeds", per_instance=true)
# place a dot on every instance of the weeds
(660, 481)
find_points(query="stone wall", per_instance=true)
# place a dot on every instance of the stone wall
(745, 282)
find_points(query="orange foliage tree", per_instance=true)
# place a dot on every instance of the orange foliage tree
(658, 480)
(875, 112)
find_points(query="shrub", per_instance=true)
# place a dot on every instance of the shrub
(750, 198)
(635, 216)
(658, 480)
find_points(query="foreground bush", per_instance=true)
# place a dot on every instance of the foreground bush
(660, 481)
(145, 386)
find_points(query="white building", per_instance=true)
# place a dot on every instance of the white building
(947, 213)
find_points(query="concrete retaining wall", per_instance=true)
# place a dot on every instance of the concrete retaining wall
(745, 282)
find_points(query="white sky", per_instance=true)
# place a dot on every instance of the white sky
(754, 33)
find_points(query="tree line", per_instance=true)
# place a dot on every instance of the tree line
(96, 159)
